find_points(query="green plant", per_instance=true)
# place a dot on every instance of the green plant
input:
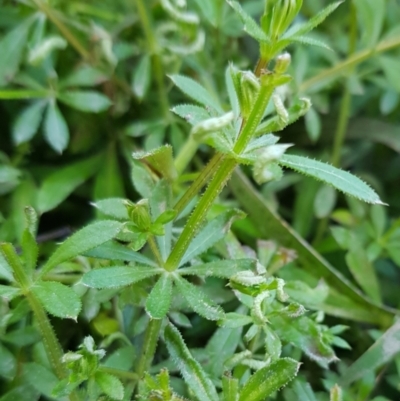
(142, 269)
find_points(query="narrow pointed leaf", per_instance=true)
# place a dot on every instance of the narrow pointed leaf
(339, 179)
(30, 250)
(306, 40)
(214, 230)
(159, 300)
(222, 268)
(87, 101)
(8, 293)
(198, 300)
(112, 207)
(313, 22)
(195, 91)
(118, 276)
(61, 183)
(83, 241)
(84, 76)
(250, 26)
(55, 128)
(384, 350)
(192, 372)
(270, 379)
(112, 250)
(27, 123)
(141, 77)
(58, 299)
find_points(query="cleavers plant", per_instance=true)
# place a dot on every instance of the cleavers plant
(153, 250)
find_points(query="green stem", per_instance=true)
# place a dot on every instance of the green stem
(149, 346)
(198, 183)
(221, 177)
(23, 94)
(156, 59)
(186, 154)
(71, 38)
(122, 374)
(51, 345)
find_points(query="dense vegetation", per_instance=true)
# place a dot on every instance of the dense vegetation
(178, 220)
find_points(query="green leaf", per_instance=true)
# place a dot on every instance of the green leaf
(221, 268)
(339, 179)
(161, 160)
(87, 101)
(192, 372)
(39, 377)
(230, 388)
(84, 76)
(370, 16)
(27, 122)
(8, 293)
(159, 299)
(191, 113)
(313, 124)
(30, 251)
(141, 77)
(58, 299)
(112, 207)
(362, 270)
(383, 351)
(161, 201)
(270, 379)
(198, 300)
(233, 320)
(61, 183)
(12, 46)
(302, 29)
(142, 180)
(250, 26)
(210, 9)
(214, 230)
(390, 65)
(195, 91)
(118, 276)
(8, 363)
(112, 250)
(84, 240)
(110, 385)
(55, 128)
(324, 201)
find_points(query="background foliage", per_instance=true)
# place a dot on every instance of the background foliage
(85, 84)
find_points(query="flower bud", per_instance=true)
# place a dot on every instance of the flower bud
(212, 125)
(281, 110)
(266, 173)
(282, 63)
(139, 214)
(250, 86)
(283, 14)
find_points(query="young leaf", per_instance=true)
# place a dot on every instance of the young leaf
(5, 269)
(339, 179)
(161, 160)
(55, 128)
(110, 385)
(39, 377)
(118, 276)
(112, 250)
(159, 299)
(221, 268)
(27, 122)
(250, 26)
(191, 113)
(230, 388)
(112, 207)
(302, 29)
(58, 299)
(195, 91)
(8, 364)
(83, 241)
(268, 380)
(198, 300)
(30, 250)
(12, 46)
(192, 372)
(214, 230)
(62, 182)
(141, 77)
(87, 101)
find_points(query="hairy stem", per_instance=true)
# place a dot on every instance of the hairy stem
(155, 250)
(149, 346)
